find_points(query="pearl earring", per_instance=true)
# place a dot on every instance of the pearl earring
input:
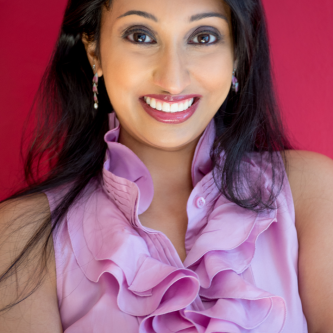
(235, 84)
(95, 87)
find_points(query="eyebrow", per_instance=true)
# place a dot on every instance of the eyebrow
(204, 15)
(193, 18)
(140, 13)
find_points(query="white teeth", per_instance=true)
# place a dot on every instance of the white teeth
(168, 107)
(153, 103)
(174, 107)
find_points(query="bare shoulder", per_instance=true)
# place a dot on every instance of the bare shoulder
(35, 204)
(310, 176)
(311, 179)
(20, 221)
(20, 217)
(308, 171)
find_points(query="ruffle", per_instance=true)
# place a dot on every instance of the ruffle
(146, 285)
(220, 256)
(124, 173)
(213, 292)
(209, 294)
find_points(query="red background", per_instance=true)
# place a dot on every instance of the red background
(301, 34)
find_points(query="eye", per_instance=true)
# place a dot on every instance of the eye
(140, 37)
(204, 38)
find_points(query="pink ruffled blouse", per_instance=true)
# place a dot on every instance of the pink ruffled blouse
(115, 275)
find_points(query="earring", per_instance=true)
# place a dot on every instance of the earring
(95, 85)
(235, 84)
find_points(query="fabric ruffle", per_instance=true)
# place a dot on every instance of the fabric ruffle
(213, 292)
(209, 294)
(220, 256)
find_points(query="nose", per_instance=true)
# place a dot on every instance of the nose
(171, 73)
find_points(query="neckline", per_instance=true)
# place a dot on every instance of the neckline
(122, 162)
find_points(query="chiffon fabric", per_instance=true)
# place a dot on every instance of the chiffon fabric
(115, 275)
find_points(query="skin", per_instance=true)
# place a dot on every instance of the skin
(311, 181)
(173, 66)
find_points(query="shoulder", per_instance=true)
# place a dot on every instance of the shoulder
(19, 217)
(311, 181)
(21, 222)
(14, 208)
(300, 163)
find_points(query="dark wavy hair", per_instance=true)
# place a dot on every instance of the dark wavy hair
(69, 132)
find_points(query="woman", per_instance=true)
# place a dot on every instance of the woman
(183, 217)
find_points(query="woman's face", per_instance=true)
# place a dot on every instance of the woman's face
(169, 53)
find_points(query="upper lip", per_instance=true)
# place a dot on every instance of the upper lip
(172, 98)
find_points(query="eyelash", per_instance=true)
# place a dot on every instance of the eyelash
(147, 33)
(206, 32)
(137, 30)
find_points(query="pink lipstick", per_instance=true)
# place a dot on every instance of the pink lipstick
(170, 109)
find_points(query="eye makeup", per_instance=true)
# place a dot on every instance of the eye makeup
(137, 30)
(206, 30)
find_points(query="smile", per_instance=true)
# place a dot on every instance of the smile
(170, 109)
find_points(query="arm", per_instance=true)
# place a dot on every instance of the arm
(39, 312)
(311, 180)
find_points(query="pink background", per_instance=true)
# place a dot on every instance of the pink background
(301, 33)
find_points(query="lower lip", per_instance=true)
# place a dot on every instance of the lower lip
(170, 117)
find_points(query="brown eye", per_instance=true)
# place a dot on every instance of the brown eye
(140, 38)
(204, 38)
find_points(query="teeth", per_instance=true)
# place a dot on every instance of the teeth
(168, 107)
(165, 107)
(174, 107)
(153, 103)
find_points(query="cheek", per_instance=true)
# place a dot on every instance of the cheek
(118, 78)
(214, 73)
(123, 72)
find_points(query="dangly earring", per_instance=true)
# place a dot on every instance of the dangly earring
(235, 84)
(95, 87)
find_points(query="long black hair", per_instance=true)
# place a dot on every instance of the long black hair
(69, 132)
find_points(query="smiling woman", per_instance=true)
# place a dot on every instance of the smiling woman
(173, 201)
(178, 55)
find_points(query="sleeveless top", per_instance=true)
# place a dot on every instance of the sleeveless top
(115, 275)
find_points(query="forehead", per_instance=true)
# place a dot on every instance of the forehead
(171, 10)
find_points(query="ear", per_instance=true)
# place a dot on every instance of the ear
(90, 47)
